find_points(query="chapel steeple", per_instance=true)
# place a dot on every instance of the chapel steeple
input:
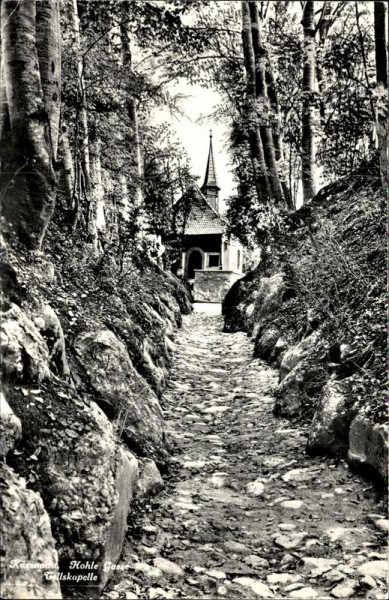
(210, 187)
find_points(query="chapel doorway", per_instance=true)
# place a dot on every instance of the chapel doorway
(195, 261)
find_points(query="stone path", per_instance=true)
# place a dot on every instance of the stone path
(245, 513)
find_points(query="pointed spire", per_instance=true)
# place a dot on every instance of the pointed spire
(210, 179)
(210, 187)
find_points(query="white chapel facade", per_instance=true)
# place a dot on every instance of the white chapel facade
(210, 261)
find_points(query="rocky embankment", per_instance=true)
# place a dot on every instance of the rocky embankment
(86, 349)
(246, 513)
(314, 307)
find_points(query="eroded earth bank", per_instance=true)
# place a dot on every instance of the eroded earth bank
(246, 513)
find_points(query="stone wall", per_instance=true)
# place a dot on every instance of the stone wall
(212, 286)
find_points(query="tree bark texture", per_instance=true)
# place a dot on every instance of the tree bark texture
(131, 106)
(382, 84)
(97, 195)
(67, 178)
(308, 115)
(263, 105)
(82, 160)
(256, 147)
(324, 26)
(31, 68)
(49, 55)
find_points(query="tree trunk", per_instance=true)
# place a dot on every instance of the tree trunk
(124, 202)
(380, 43)
(325, 21)
(97, 191)
(67, 173)
(382, 85)
(32, 77)
(131, 105)
(49, 54)
(261, 60)
(82, 158)
(256, 148)
(308, 116)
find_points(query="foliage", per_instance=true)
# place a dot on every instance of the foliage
(343, 101)
(167, 177)
(339, 281)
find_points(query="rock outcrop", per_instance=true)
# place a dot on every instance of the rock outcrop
(150, 481)
(122, 393)
(25, 356)
(314, 307)
(49, 326)
(29, 557)
(297, 353)
(368, 448)
(81, 378)
(10, 427)
(238, 305)
(331, 423)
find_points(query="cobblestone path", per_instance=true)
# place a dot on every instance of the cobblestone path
(246, 513)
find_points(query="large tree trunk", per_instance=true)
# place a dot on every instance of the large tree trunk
(382, 85)
(48, 45)
(263, 104)
(380, 43)
(256, 148)
(325, 21)
(82, 158)
(97, 191)
(308, 116)
(131, 105)
(31, 57)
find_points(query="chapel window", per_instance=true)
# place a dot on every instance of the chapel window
(213, 260)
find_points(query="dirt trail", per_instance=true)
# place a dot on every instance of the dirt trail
(246, 513)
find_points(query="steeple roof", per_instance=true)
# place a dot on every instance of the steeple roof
(202, 217)
(210, 180)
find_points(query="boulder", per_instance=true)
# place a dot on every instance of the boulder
(25, 355)
(154, 363)
(49, 326)
(173, 307)
(10, 427)
(178, 292)
(297, 353)
(122, 392)
(29, 557)
(368, 447)
(331, 423)
(265, 341)
(12, 290)
(270, 296)
(279, 350)
(297, 392)
(125, 483)
(87, 481)
(150, 482)
(241, 295)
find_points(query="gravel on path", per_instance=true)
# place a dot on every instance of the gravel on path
(245, 512)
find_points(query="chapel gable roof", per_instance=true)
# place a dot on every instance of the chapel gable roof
(202, 218)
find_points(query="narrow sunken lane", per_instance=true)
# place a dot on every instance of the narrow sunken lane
(245, 513)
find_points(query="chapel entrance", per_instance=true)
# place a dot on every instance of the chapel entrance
(195, 261)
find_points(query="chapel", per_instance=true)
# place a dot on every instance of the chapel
(211, 261)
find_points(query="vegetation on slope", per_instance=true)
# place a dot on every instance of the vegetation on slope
(331, 254)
